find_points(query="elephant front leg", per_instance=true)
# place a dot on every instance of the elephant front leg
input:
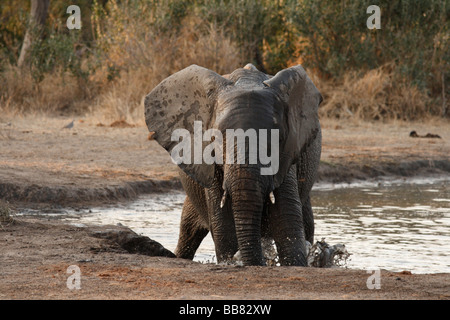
(192, 232)
(286, 222)
(225, 242)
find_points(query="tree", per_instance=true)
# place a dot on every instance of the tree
(38, 15)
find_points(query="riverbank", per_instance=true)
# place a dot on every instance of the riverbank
(35, 256)
(92, 162)
(45, 166)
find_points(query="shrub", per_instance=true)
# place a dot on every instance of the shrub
(126, 47)
(377, 94)
(414, 37)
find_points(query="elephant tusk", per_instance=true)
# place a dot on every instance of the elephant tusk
(224, 197)
(272, 197)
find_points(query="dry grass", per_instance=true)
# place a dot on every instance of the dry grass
(376, 95)
(56, 93)
(135, 45)
(155, 58)
(141, 58)
(133, 59)
(6, 215)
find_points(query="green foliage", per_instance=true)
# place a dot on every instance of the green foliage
(258, 27)
(13, 24)
(329, 37)
(58, 51)
(414, 37)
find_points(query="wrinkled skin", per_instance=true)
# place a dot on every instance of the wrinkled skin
(233, 201)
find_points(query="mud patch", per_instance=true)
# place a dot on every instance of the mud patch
(350, 172)
(35, 255)
(73, 195)
(132, 242)
(82, 196)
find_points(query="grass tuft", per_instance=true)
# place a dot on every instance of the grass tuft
(6, 217)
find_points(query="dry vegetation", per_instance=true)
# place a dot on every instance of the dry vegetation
(372, 96)
(146, 59)
(6, 216)
(128, 47)
(377, 94)
(134, 60)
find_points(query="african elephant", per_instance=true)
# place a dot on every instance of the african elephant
(233, 199)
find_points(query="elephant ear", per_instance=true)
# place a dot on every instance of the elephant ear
(302, 99)
(186, 96)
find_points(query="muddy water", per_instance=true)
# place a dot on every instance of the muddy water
(394, 225)
(391, 226)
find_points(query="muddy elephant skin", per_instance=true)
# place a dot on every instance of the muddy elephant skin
(234, 201)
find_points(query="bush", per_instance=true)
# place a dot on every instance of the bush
(414, 37)
(140, 44)
(377, 94)
(57, 51)
(126, 47)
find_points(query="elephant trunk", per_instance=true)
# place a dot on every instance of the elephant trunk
(247, 200)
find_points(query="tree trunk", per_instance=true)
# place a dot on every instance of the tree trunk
(38, 15)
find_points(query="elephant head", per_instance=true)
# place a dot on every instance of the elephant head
(281, 110)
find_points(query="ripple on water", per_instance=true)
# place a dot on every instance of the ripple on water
(383, 225)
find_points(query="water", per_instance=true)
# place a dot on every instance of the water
(392, 226)
(389, 225)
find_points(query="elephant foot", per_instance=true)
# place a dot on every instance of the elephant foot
(269, 251)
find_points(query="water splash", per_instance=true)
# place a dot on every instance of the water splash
(405, 228)
(323, 255)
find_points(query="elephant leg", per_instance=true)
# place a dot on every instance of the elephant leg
(306, 175)
(286, 222)
(308, 220)
(192, 231)
(225, 242)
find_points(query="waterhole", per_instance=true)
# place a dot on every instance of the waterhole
(393, 225)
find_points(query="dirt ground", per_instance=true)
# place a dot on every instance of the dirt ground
(92, 162)
(45, 166)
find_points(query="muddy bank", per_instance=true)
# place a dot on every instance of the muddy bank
(348, 173)
(40, 162)
(43, 165)
(79, 195)
(73, 195)
(35, 256)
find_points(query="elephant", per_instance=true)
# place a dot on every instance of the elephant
(233, 200)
